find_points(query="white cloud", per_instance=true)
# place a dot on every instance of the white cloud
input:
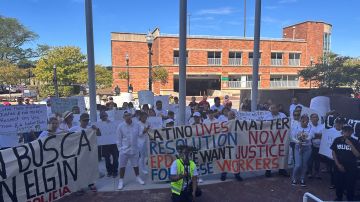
(287, 1)
(271, 7)
(208, 18)
(216, 11)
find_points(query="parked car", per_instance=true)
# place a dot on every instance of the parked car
(11, 89)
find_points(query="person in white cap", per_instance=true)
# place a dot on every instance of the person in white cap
(128, 133)
(196, 119)
(67, 122)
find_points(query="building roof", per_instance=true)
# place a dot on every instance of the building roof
(309, 21)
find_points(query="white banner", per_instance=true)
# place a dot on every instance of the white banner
(61, 105)
(257, 115)
(50, 168)
(327, 139)
(108, 132)
(146, 97)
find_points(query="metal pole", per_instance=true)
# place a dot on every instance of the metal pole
(128, 74)
(244, 18)
(90, 58)
(189, 15)
(254, 89)
(150, 66)
(56, 83)
(182, 62)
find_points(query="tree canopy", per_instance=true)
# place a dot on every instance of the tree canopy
(13, 37)
(336, 71)
(10, 74)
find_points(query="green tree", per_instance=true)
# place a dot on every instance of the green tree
(160, 74)
(69, 63)
(335, 72)
(13, 37)
(10, 74)
(104, 77)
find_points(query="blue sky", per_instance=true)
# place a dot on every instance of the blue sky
(62, 22)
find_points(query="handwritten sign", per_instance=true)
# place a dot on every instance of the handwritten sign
(61, 105)
(257, 115)
(327, 138)
(22, 118)
(81, 103)
(146, 97)
(234, 146)
(164, 99)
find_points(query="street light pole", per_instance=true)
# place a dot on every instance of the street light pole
(182, 61)
(56, 83)
(127, 70)
(150, 39)
(255, 84)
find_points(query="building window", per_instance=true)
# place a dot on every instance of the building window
(284, 81)
(235, 58)
(176, 57)
(294, 59)
(214, 58)
(241, 81)
(251, 59)
(326, 42)
(276, 59)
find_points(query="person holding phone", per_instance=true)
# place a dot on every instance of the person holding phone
(345, 151)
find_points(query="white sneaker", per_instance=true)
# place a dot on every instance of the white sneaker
(139, 180)
(121, 184)
(145, 172)
(200, 180)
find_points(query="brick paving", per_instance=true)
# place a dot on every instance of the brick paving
(257, 189)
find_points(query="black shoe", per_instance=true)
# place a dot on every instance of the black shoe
(302, 183)
(293, 182)
(223, 177)
(238, 177)
(284, 173)
(268, 173)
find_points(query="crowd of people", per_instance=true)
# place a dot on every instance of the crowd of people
(130, 147)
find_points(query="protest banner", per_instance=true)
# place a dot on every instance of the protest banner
(164, 99)
(108, 132)
(257, 115)
(327, 139)
(146, 97)
(48, 168)
(330, 122)
(155, 122)
(61, 105)
(234, 146)
(22, 118)
(123, 97)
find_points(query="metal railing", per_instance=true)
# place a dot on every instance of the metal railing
(235, 61)
(294, 62)
(177, 59)
(276, 62)
(309, 195)
(251, 61)
(240, 84)
(284, 84)
(214, 61)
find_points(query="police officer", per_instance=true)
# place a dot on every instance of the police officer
(183, 176)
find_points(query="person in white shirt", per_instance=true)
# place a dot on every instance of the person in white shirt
(317, 129)
(295, 122)
(53, 128)
(142, 141)
(48, 108)
(294, 104)
(211, 117)
(67, 122)
(273, 115)
(224, 115)
(128, 133)
(110, 151)
(302, 136)
(196, 119)
(169, 123)
(159, 110)
(217, 105)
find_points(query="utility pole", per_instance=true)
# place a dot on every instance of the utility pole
(255, 83)
(182, 62)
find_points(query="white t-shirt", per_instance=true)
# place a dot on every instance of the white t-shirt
(63, 127)
(292, 108)
(128, 137)
(307, 131)
(77, 129)
(160, 112)
(45, 133)
(144, 138)
(219, 108)
(270, 116)
(316, 130)
(222, 118)
(294, 125)
(173, 171)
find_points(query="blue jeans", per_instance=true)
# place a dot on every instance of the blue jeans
(302, 156)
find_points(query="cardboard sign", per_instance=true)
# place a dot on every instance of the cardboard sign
(123, 97)
(68, 163)
(257, 115)
(108, 132)
(164, 99)
(61, 105)
(321, 104)
(234, 146)
(146, 97)
(327, 139)
(22, 118)
(330, 122)
(81, 103)
(155, 122)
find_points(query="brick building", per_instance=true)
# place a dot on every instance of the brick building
(221, 62)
